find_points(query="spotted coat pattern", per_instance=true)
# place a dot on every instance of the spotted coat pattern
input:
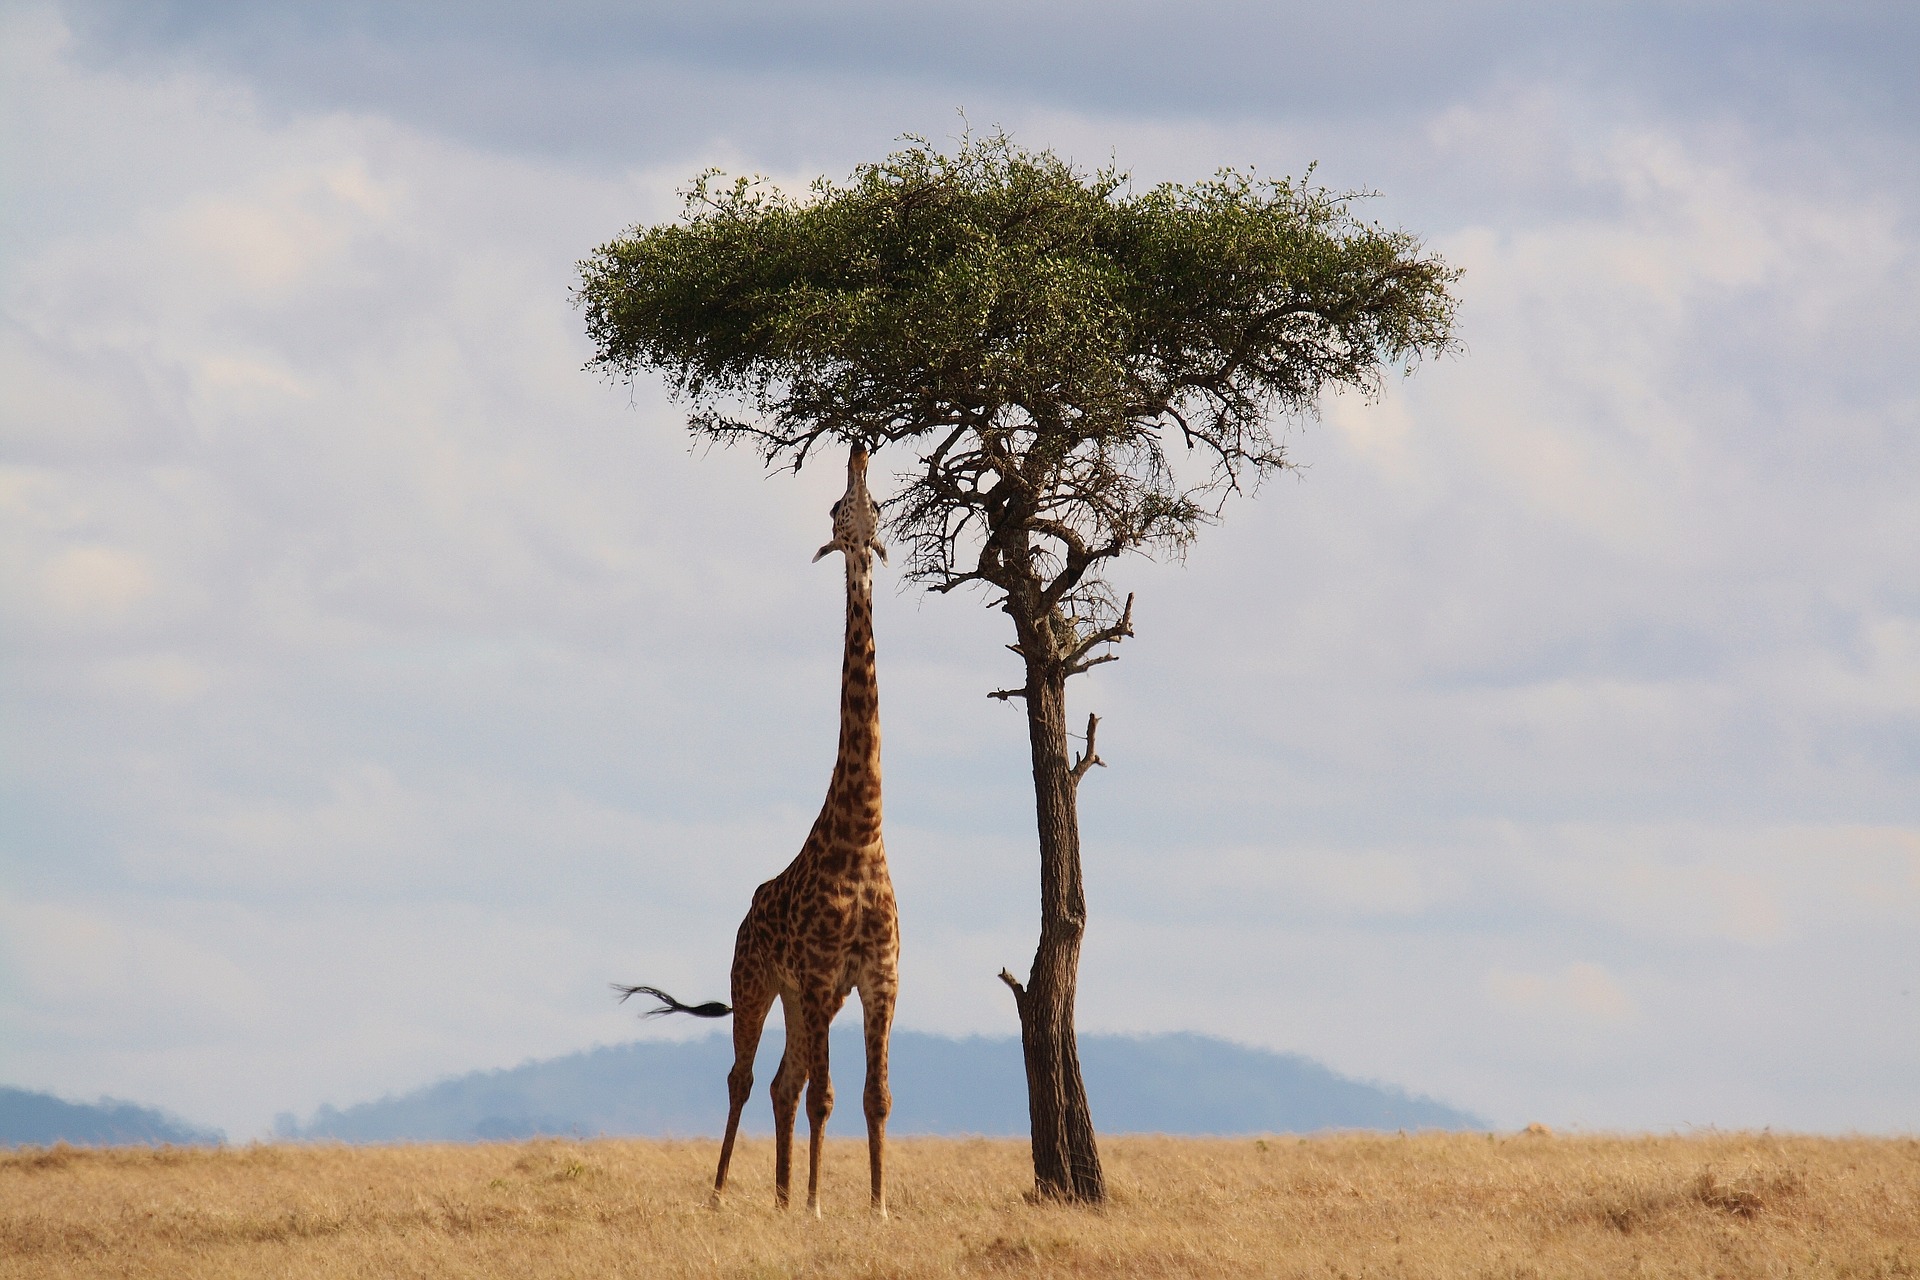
(827, 925)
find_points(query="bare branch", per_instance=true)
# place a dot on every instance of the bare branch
(1066, 534)
(1004, 694)
(947, 584)
(1087, 758)
(1019, 992)
(1122, 628)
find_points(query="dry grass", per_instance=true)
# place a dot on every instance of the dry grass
(1350, 1206)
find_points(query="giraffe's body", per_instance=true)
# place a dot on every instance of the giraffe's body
(827, 925)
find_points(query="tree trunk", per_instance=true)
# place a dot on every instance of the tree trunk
(1066, 1162)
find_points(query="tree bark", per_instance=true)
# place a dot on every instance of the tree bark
(1066, 1161)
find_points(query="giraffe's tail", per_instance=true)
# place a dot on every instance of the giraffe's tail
(711, 1009)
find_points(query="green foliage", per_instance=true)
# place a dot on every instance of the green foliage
(1037, 334)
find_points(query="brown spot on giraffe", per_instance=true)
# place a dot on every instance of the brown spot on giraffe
(827, 925)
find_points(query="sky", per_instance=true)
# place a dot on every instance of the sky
(377, 685)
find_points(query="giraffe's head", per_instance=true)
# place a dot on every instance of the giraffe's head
(856, 517)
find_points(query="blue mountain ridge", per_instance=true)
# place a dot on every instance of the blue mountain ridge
(29, 1118)
(1178, 1083)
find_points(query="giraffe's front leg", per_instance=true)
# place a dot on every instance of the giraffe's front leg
(819, 1102)
(876, 1008)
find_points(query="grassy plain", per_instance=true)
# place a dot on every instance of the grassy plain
(1714, 1204)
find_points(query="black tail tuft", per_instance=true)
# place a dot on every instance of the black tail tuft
(711, 1009)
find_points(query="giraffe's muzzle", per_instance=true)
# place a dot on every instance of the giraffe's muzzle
(856, 517)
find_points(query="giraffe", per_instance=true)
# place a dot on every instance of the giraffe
(828, 923)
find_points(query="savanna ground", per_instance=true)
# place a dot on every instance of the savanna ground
(1713, 1204)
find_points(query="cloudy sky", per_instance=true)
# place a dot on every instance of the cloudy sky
(377, 685)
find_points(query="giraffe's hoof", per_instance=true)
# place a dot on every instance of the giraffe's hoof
(714, 1201)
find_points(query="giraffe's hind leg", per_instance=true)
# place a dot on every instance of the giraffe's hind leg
(876, 1013)
(750, 1004)
(787, 1083)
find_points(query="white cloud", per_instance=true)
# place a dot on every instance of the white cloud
(1582, 992)
(89, 582)
(89, 973)
(386, 685)
(164, 677)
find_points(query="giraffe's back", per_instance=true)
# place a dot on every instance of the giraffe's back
(809, 925)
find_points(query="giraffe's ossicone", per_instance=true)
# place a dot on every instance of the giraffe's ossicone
(827, 925)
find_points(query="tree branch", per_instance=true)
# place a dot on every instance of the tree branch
(947, 584)
(1122, 628)
(1019, 994)
(1087, 758)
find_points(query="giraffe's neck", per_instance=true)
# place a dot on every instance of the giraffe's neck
(856, 769)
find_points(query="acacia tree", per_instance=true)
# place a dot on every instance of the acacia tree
(1079, 370)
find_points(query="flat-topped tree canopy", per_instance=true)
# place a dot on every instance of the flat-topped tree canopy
(992, 298)
(1042, 339)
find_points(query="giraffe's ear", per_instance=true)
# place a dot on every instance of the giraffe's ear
(831, 546)
(879, 548)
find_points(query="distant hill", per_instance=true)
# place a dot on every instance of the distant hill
(40, 1119)
(1137, 1084)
